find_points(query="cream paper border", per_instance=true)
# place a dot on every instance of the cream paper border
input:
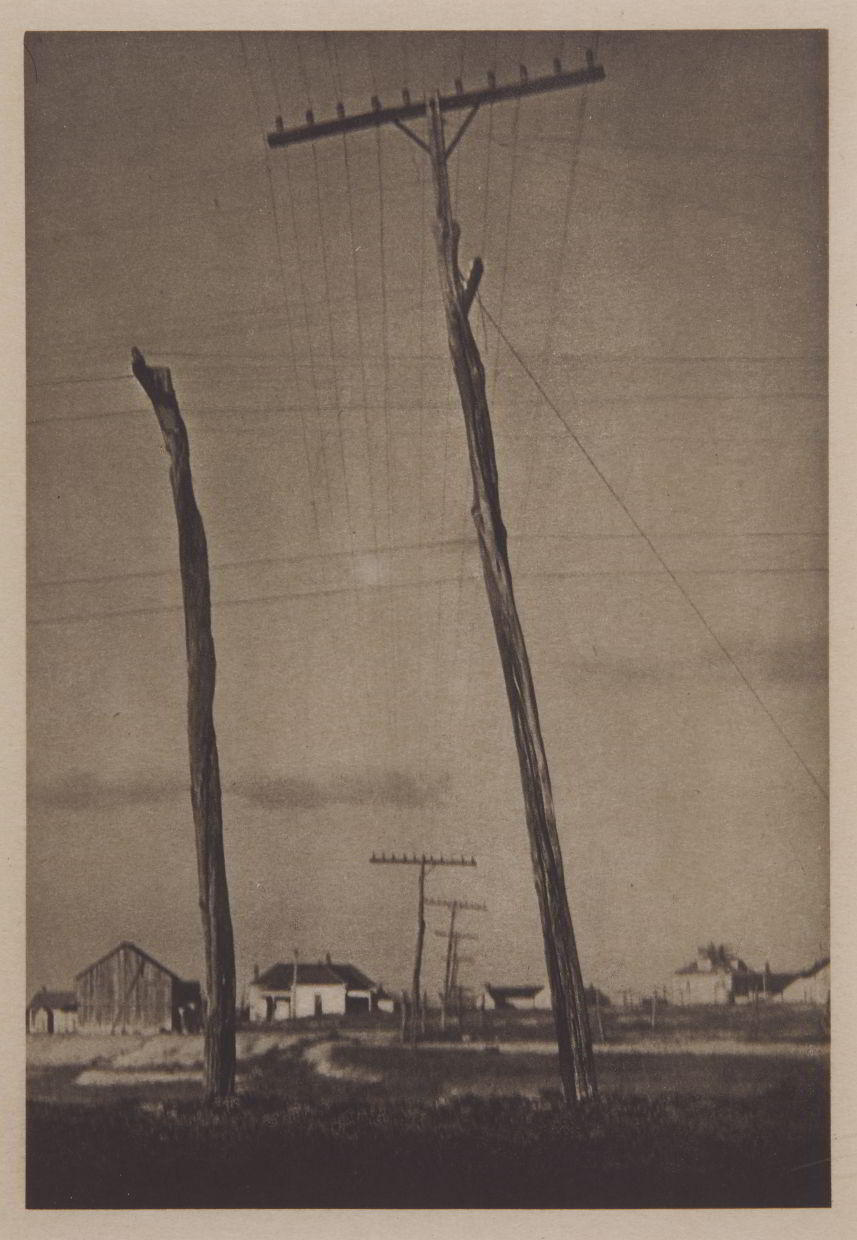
(839, 20)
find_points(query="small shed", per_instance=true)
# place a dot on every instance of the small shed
(128, 991)
(523, 998)
(52, 1011)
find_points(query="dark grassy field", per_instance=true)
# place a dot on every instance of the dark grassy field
(674, 1130)
(771, 1022)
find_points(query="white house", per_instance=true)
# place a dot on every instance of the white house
(52, 1011)
(708, 979)
(323, 989)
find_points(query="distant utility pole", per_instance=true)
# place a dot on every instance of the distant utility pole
(422, 861)
(454, 907)
(454, 938)
(574, 1039)
(157, 383)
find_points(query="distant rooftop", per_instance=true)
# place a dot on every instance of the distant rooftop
(515, 992)
(64, 1000)
(280, 976)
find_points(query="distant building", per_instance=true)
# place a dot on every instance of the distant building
(812, 986)
(535, 997)
(52, 1011)
(595, 996)
(708, 979)
(127, 991)
(627, 998)
(752, 986)
(323, 989)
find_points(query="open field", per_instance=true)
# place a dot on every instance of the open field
(326, 1118)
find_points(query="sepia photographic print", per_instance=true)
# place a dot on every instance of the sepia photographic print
(427, 619)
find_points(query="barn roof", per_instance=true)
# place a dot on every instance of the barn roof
(134, 948)
(64, 1000)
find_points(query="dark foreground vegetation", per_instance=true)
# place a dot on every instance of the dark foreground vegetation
(669, 1132)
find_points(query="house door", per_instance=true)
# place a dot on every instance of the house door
(269, 1007)
(318, 1011)
(50, 1018)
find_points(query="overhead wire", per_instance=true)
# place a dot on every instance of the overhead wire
(587, 455)
(441, 543)
(358, 623)
(322, 233)
(317, 589)
(282, 273)
(305, 304)
(393, 662)
(333, 58)
(560, 269)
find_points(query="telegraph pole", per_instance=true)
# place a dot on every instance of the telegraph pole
(453, 960)
(422, 861)
(454, 907)
(574, 1039)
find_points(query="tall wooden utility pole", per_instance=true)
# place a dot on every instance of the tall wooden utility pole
(157, 383)
(423, 862)
(574, 1040)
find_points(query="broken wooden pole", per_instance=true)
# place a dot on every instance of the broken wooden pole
(219, 1075)
(574, 1040)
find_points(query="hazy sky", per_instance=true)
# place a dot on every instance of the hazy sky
(655, 252)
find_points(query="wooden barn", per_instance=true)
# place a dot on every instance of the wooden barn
(127, 991)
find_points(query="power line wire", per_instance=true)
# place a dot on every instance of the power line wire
(309, 556)
(392, 622)
(690, 602)
(278, 241)
(330, 44)
(321, 589)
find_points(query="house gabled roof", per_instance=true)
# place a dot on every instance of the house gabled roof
(738, 966)
(134, 948)
(280, 976)
(353, 977)
(515, 992)
(64, 1000)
